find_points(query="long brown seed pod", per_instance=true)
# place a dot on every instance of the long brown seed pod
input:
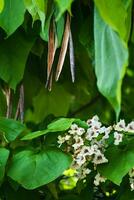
(63, 48)
(71, 54)
(51, 50)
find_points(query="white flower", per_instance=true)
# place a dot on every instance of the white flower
(85, 172)
(61, 140)
(78, 142)
(94, 122)
(102, 129)
(120, 126)
(131, 180)
(118, 138)
(99, 159)
(131, 173)
(87, 151)
(91, 133)
(75, 130)
(67, 137)
(130, 127)
(99, 179)
(107, 132)
(80, 159)
(74, 127)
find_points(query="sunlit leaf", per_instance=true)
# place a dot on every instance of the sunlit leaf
(12, 15)
(111, 59)
(1, 5)
(120, 21)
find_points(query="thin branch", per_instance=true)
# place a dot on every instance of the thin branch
(22, 103)
(20, 106)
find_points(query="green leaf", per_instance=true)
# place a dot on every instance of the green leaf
(4, 154)
(64, 5)
(12, 16)
(37, 9)
(119, 21)
(111, 59)
(46, 103)
(1, 5)
(61, 124)
(120, 163)
(81, 123)
(33, 170)
(35, 134)
(13, 56)
(11, 128)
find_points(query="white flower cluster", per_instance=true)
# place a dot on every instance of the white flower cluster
(89, 145)
(131, 179)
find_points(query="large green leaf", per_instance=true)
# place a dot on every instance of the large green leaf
(12, 16)
(4, 154)
(37, 9)
(120, 161)
(13, 56)
(32, 169)
(120, 21)
(111, 57)
(1, 5)
(11, 128)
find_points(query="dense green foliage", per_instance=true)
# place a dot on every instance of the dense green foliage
(34, 52)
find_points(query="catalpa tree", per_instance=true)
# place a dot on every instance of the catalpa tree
(66, 100)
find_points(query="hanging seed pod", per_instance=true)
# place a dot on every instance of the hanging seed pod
(71, 55)
(51, 52)
(63, 48)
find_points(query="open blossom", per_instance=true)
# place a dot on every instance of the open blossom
(118, 138)
(99, 179)
(94, 122)
(78, 142)
(131, 180)
(75, 130)
(80, 159)
(131, 173)
(107, 132)
(99, 159)
(87, 150)
(130, 127)
(61, 140)
(85, 171)
(91, 133)
(120, 126)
